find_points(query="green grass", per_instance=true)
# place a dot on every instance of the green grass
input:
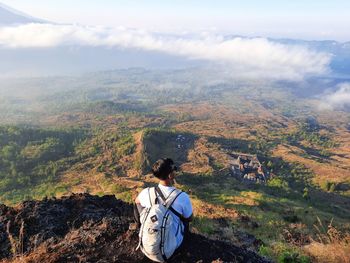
(37, 192)
(125, 196)
(270, 206)
(116, 189)
(203, 225)
(283, 253)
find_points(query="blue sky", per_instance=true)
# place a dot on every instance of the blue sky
(308, 19)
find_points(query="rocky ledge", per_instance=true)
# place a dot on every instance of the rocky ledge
(86, 228)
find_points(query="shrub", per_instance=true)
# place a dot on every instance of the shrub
(328, 186)
(292, 257)
(119, 188)
(265, 251)
(306, 193)
(126, 197)
(278, 183)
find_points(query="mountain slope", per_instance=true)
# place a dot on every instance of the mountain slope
(10, 16)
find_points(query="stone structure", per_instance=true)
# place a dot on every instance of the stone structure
(247, 167)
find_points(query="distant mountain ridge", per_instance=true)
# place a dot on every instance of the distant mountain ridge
(10, 16)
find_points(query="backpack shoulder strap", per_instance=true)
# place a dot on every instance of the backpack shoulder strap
(171, 199)
(161, 195)
(152, 195)
(168, 202)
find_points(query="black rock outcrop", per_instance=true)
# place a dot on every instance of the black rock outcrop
(86, 228)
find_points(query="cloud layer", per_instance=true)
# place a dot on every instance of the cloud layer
(338, 100)
(248, 57)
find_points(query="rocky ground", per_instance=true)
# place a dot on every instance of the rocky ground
(86, 228)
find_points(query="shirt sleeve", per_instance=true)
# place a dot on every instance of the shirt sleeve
(187, 206)
(144, 198)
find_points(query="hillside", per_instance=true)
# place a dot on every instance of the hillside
(86, 228)
(226, 208)
(99, 134)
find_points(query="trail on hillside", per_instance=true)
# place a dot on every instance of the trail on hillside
(86, 228)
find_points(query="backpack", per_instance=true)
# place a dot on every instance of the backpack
(157, 239)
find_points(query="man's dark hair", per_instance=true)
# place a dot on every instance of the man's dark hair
(163, 167)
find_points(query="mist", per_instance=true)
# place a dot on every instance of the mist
(43, 49)
(339, 99)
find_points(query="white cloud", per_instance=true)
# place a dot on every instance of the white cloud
(338, 100)
(249, 57)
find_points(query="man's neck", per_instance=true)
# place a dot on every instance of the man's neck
(165, 182)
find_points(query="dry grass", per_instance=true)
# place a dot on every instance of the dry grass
(13, 241)
(322, 171)
(211, 211)
(337, 252)
(198, 159)
(247, 198)
(17, 244)
(331, 245)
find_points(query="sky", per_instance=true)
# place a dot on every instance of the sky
(301, 19)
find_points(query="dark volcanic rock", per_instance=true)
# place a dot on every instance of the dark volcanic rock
(85, 228)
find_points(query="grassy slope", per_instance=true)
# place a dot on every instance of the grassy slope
(122, 143)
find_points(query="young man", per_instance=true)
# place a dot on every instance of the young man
(165, 171)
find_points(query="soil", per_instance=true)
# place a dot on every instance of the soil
(86, 228)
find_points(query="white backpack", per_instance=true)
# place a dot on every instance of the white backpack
(157, 238)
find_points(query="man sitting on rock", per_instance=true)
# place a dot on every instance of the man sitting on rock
(154, 204)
